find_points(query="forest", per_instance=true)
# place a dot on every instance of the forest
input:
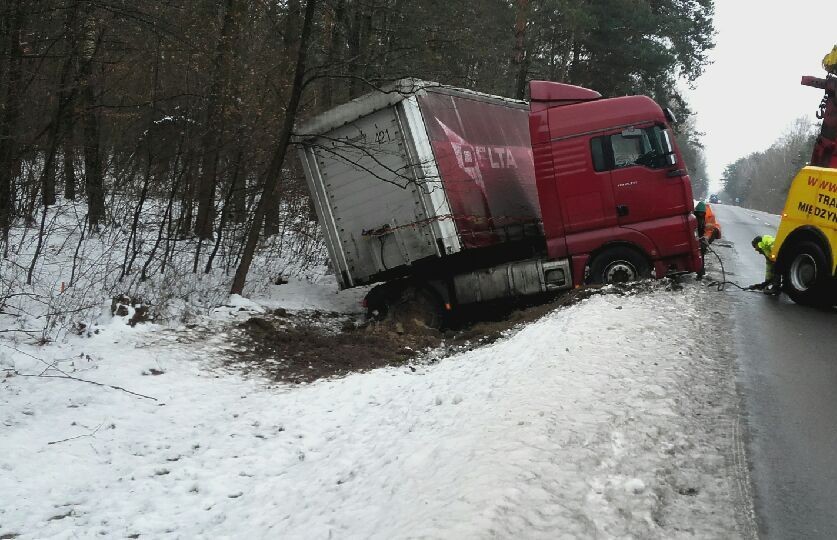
(164, 131)
(761, 180)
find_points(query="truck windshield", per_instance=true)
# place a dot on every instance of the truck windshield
(645, 149)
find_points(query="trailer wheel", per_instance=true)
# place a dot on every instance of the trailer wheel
(618, 264)
(377, 301)
(806, 275)
(416, 307)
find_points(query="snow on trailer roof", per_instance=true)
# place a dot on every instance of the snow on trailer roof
(387, 96)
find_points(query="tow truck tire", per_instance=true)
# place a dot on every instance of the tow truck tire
(619, 264)
(806, 276)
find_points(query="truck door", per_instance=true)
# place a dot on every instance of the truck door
(586, 196)
(643, 190)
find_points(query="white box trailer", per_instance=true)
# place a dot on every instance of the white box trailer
(428, 180)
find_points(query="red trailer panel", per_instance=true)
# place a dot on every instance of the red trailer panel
(484, 158)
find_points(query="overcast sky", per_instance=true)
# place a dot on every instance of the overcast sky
(751, 94)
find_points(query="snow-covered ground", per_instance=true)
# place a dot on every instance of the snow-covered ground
(54, 281)
(612, 418)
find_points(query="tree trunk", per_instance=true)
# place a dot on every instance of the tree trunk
(29, 190)
(66, 98)
(353, 42)
(292, 26)
(69, 167)
(238, 213)
(278, 159)
(165, 224)
(93, 176)
(93, 181)
(272, 209)
(225, 213)
(131, 244)
(358, 45)
(48, 175)
(10, 114)
(207, 180)
(61, 122)
(335, 20)
(213, 136)
(187, 197)
(521, 59)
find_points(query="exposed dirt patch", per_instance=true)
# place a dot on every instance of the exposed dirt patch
(307, 346)
(285, 351)
(489, 325)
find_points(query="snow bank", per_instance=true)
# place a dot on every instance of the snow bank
(606, 419)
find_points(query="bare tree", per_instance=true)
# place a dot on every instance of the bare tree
(273, 172)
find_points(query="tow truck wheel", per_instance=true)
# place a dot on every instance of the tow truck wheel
(619, 264)
(806, 275)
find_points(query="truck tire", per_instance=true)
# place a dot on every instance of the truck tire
(417, 307)
(618, 264)
(807, 277)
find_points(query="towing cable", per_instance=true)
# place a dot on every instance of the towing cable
(721, 285)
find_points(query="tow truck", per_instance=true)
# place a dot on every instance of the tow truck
(805, 251)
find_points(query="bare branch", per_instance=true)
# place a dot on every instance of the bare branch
(91, 434)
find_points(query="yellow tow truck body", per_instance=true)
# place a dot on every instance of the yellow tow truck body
(811, 203)
(805, 251)
(807, 236)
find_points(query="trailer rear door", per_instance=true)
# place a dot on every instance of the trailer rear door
(367, 194)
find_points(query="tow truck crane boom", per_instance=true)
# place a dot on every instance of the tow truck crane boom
(825, 149)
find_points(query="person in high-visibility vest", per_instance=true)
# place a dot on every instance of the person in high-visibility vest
(830, 61)
(711, 228)
(707, 226)
(772, 283)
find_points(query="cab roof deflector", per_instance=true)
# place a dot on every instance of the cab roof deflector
(560, 93)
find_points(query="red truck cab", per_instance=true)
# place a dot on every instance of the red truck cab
(614, 192)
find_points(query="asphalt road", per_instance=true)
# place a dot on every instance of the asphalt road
(787, 375)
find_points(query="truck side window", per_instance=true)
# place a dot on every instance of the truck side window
(597, 150)
(625, 151)
(645, 150)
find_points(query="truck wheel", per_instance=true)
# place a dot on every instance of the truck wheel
(377, 302)
(416, 307)
(806, 276)
(618, 265)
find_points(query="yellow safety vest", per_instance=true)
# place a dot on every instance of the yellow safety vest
(766, 248)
